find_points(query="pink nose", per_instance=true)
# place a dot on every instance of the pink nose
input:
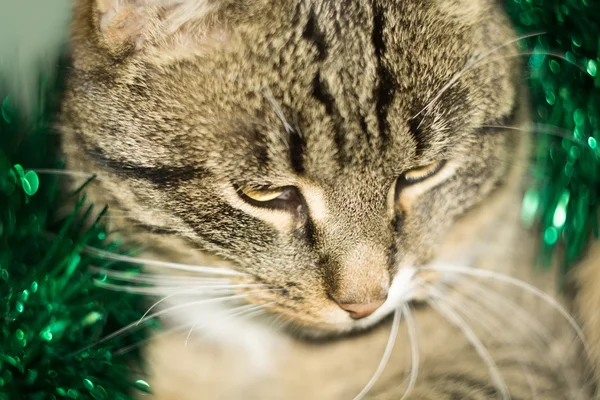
(358, 311)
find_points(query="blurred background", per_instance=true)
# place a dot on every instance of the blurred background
(31, 33)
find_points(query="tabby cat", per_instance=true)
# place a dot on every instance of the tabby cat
(329, 194)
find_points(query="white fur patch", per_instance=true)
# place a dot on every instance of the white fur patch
(260, 343)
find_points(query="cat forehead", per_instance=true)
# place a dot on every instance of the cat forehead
(326, 79)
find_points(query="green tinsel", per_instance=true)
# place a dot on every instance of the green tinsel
(53, 313)
(565, 90)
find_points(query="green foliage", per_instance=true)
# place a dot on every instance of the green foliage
(52, 312)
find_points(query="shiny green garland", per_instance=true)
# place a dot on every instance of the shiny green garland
(563, 67)
(52, 311)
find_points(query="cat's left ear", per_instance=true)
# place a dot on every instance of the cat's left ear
(131, 25)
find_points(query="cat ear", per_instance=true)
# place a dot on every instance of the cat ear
(129, 25)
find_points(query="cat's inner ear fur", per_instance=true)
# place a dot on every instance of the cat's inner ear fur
(127, 26)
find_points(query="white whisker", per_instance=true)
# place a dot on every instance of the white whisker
(164, 290)
(543, 129)
(156, 263)
(521, 284)
(476, 312)
(156, 279)
(452, 317)
(169, 332)
(277, 109)
(136, 324)
(386, 355)
(528, 53)
(241, 311)
(414, 349)
(468, 67)
(48, 171)
(526, 319)
(211, 300)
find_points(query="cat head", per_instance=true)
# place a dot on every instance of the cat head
(324, 148)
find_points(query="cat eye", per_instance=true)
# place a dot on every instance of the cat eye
(263, 195)
(423, 172)
(282, 197)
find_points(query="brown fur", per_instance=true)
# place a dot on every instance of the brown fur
(176, 104)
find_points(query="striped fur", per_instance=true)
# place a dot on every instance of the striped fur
(178, 104)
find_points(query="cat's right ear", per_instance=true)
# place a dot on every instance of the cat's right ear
(126, 26)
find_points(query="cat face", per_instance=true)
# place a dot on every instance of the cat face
(316, 145)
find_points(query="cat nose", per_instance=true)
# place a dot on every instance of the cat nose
(358, 311)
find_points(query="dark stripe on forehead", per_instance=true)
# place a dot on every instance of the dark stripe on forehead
(313, 33)
(321, 93)
(297, 148)
(415, 129)
(385, 90)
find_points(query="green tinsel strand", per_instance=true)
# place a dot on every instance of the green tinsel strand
(52, 311)
(565, 90)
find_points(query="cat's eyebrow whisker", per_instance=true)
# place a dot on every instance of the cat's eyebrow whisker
(451, 316)
(518, 283)
(468, 67)
(386, 355)
(543, 129)
(265, 92)
(164, 264)
(529, 53)
(411, 326)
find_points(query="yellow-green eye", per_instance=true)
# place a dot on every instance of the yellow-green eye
(423, 172)
(283, 198)
(263, 195)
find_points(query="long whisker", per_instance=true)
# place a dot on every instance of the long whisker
(528, 53)
(457, 321)
(135, 325)
(156, 279)
(542, 129)
(244, 311)
(468, 67)
(170, 265)
(492, 297)
(173, 330)
(49, 171)
(386, 355)
(153, 291)
(177, 294)
(414, 349)
(288, 128)
(521, 284)
(166, 310)
(476, 312)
